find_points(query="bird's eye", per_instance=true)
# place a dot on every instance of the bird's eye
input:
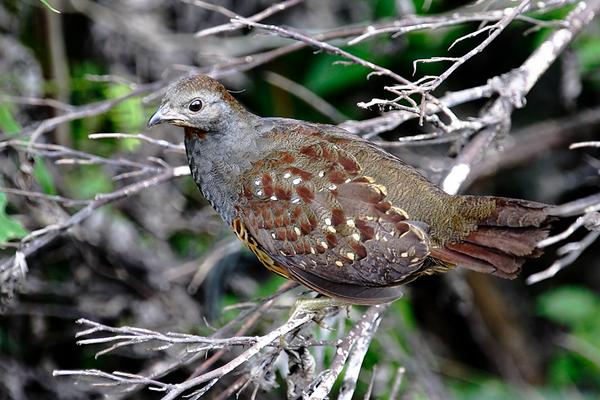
(195, 105)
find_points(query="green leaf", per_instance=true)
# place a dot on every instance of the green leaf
(385, 9)
(43, 176)
(126, 116)
(269, 286)
(8, 124)
(87, 181)
(9, 228)
(588, 52)
(570, 305)
(325, 78)
(565, 369)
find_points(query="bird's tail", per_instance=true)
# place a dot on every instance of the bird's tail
(503, 241)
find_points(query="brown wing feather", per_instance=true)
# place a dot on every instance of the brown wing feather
(242, 233)
(315, 214)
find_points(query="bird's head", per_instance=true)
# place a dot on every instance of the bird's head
(198, 102)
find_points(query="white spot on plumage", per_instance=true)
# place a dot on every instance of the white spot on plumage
(257, 182)
(287, 175)
(350, 255)
(339, 263)
(331, 229)
(327, 221)
(296, 200)
(296, 181)
(312, 250)
(332, 187)
(273, 197)
(350, 222)
(382, 189)
(321, 174)
(405, 254)
(297, 230)
(356, 236)
(273, 235)
(324, 244)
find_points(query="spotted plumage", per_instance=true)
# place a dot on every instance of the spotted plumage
(333, 211)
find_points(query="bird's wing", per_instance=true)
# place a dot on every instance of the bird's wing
(315, 213)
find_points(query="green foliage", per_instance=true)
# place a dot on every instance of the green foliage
(87, 181)
(587, 49)
(127, 116)
(9, 227)
(385, 8)
(323, 78)
(481, 388)
(8, 124)
(189, 244)
(84, 91)
(43, 176)
(573, 306)
(542, 34)
(576, 308)
(270, 286)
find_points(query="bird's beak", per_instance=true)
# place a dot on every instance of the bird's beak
(163, 114)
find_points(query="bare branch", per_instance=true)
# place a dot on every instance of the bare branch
(365, 328)
(412, 23)
(570, 252)
(34, 101)
(36, 195)
(38, 239)
(267, 12)
(513, 87)
(355, 360)
(584, 144)
(397, 383)
(294, 322)
(178, 148)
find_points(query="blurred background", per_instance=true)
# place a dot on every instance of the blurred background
(162, 259)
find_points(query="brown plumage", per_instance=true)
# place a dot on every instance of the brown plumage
(335, 212)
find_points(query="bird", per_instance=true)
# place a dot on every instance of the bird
(333, 211)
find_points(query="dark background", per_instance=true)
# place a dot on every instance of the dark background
(132, 261)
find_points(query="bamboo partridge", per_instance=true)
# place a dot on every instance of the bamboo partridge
(333, 211)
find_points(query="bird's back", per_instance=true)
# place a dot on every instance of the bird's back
(448, 217)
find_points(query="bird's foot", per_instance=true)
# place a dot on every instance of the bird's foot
(321, 306)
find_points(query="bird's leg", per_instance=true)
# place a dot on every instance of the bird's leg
(317, 305)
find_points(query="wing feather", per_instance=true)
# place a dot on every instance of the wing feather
(326, 224)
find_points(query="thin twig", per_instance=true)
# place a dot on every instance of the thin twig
(267, 12)
(571, 252)
(294, 322)
(179, 148)
(38, 239)
(366, 327)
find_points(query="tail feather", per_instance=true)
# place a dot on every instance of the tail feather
(503, 241)
(516, 213)
(514, 241)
